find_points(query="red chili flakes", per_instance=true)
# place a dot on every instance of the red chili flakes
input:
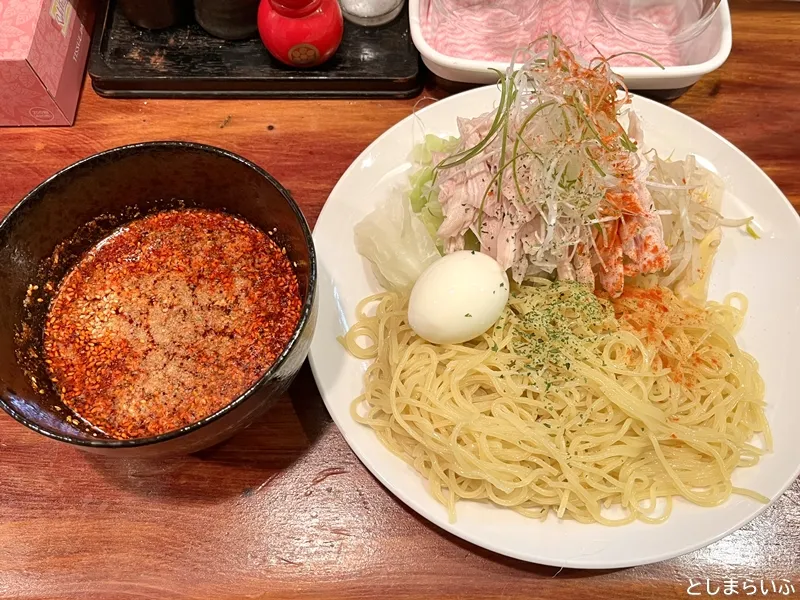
(625, 201)
(647, 312)
(168, 320)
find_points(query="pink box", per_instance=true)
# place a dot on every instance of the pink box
(43, 50)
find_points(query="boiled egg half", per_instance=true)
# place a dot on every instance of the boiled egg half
(458, 298)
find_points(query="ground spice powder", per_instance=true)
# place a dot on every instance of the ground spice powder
(168, 320)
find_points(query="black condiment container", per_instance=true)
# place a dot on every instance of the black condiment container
(155, 14)
(227, 19)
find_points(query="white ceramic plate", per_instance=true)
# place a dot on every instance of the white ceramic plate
(766, 270)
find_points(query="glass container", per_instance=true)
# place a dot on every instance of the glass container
(659, 22)
(371, 13)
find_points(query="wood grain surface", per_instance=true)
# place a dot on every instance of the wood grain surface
(285, 510)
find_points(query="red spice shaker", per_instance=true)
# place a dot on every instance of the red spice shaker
(301, 33)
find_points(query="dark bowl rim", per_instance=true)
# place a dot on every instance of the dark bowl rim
(305, 316)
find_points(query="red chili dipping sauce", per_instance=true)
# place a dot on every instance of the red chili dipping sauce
(168, 320)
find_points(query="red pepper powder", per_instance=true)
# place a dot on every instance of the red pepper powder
(168, 320)
(645, 311)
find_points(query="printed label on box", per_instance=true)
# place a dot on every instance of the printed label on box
(61, 12)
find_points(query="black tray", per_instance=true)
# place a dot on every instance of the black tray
(185, 61)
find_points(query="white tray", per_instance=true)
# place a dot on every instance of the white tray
(710, 50)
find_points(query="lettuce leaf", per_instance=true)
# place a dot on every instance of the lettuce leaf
(396, 243)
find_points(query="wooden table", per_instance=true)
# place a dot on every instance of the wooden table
(285, 509)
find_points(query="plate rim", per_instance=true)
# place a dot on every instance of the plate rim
(443, 523)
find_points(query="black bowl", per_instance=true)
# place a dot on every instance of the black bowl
(78, 207)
